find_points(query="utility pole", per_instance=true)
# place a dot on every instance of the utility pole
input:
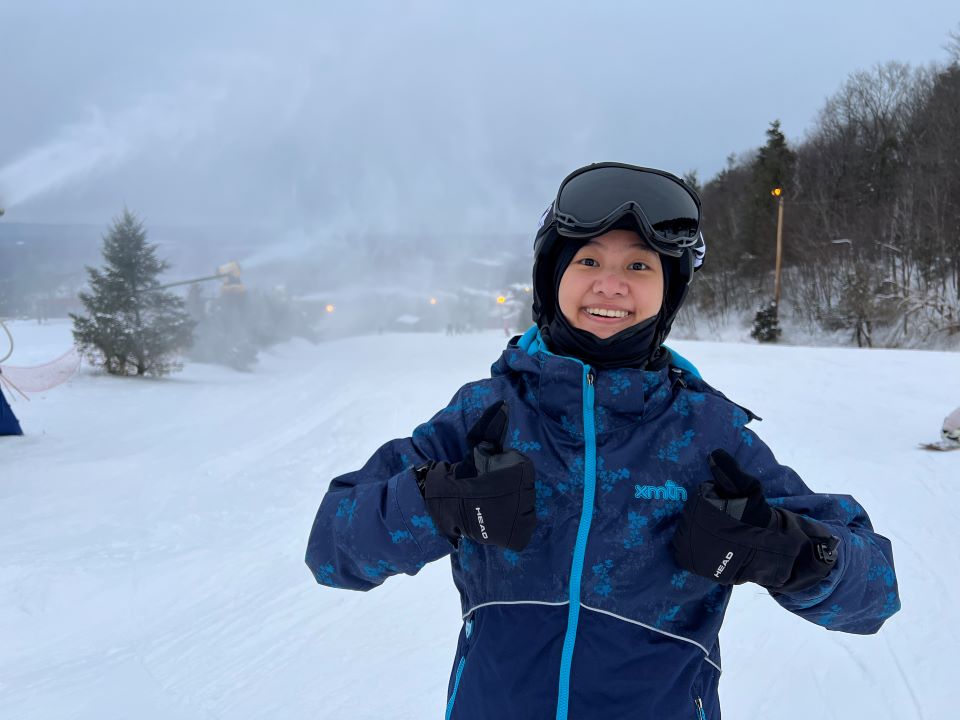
(778, 193)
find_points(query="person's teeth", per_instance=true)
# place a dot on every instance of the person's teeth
(608, 313)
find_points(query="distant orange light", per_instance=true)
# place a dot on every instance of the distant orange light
(330, 308)
(776, 192)
(433, 301)
(501, 300)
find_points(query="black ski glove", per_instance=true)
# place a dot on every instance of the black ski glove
(488, 497)
(729, 533)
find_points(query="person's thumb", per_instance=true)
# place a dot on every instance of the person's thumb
(729, 480)
(489, 432)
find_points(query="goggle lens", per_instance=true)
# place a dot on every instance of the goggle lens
(601, 195)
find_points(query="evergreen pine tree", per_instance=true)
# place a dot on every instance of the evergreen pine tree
(766, 324)
(132, 327)
(773, 166)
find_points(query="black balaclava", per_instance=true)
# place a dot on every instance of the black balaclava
(637, 346)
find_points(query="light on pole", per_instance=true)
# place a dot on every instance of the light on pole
(777, 192)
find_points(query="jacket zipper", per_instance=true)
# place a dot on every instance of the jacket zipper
(701, 715)
(583, 531)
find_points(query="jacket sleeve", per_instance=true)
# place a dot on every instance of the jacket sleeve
(373, 522)
(860, 593)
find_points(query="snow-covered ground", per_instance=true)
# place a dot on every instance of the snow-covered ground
(152, 536)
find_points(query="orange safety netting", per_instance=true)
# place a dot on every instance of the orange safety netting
(39, 378)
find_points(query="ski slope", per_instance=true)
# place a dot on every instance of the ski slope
(152, 535)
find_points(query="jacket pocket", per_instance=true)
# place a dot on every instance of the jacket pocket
(456, 685)
(467, 631)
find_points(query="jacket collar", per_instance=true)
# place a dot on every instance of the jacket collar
(554, 384)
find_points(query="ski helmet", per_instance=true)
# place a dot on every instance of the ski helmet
(597, 198)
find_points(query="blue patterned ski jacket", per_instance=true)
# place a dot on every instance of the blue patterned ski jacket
(593, 619)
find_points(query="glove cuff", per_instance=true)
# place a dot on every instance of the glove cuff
(420, 472)
(818, 555)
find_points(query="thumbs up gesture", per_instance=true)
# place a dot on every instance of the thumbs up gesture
(731, 535)
(489, 496)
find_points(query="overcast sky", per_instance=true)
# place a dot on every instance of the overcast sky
(405, 116)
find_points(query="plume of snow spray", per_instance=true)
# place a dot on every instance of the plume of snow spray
(103, 142)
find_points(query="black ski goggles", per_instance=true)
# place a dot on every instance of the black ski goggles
(594, 198)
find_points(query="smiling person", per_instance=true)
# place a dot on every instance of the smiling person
(597, 498)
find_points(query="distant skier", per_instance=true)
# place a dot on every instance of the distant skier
(598, 499)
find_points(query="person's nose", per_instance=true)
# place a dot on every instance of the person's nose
(610, 283)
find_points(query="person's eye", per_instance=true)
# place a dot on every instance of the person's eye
(589, 262)
(639, 266)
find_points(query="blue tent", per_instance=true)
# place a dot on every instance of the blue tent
(8, 421)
